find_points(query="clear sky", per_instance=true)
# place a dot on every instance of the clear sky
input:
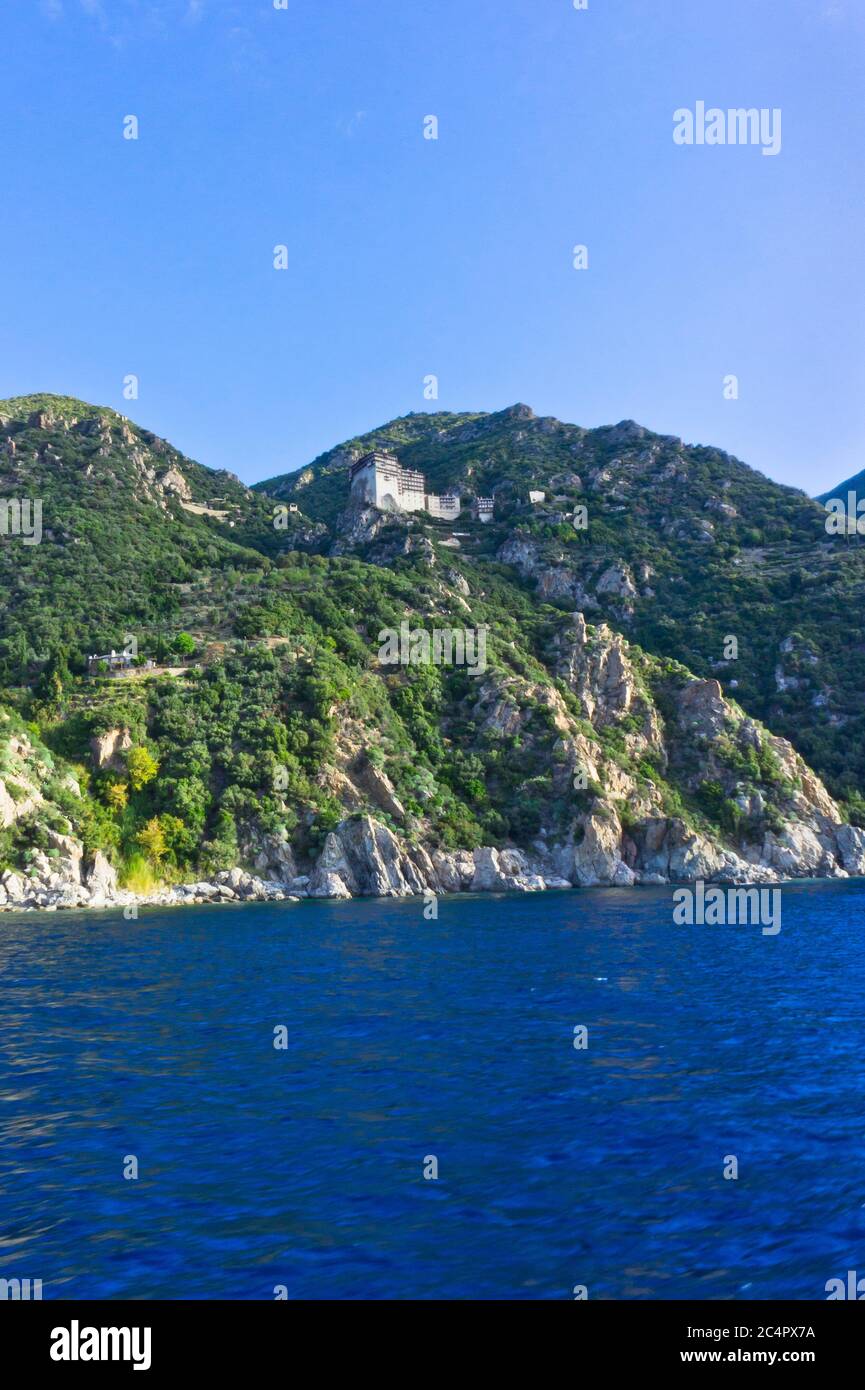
(409, 256)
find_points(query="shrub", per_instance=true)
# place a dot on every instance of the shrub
(152, 840)
(138, 875)
(142, 767)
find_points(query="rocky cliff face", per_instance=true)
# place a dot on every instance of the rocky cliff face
(674, 532)
(762, 813)
(56, 872)
(292, 759)
(671, 782)
(781, 821)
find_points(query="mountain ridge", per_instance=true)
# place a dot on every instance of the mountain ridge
(275, 730)
(725, 551)
(855, 484)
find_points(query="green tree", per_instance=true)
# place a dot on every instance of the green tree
(142, 767)
(152, 840)
(116, 795)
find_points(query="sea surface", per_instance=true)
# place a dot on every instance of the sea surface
(302, 1167)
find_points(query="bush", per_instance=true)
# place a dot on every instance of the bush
(142, 768)
(138, 876)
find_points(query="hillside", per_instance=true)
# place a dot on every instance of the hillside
(126, 523)
(258, 728)
(685, 547)
(856, 485)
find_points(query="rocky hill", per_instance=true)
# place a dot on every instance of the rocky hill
(685, 547)
(125, 522)
(259, 743)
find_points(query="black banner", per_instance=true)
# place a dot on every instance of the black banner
(222, 1338)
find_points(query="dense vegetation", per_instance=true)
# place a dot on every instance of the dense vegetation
(265, 700)
(724, 551)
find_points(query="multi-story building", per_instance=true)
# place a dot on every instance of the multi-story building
(447, 506)
(379, 480)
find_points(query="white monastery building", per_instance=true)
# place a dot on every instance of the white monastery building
(379, 480)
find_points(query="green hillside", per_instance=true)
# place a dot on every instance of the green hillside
(710, 548)
(256, 707)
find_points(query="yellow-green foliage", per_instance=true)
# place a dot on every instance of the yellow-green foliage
(152, 840)
(116, 795)
(142, 767)
(139, 875)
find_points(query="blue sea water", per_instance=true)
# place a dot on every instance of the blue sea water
(408, 1038)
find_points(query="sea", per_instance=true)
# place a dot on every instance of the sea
(540, 1096)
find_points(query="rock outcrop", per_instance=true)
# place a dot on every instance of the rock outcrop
(380, 789)
(597, 858)
(364, 858)
(107, 748)
(271, 855)
(639, 773)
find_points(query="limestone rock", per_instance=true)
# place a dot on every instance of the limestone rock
(851, 846)
(14, 807)
(173, 481)
(378, 863)
(380, 789)
(617, 581)
(327, 884)
(597, 858)
(454, 870)
(332, 865)
(702, 709)
(106, 749)
(796, 852)
(271, 855)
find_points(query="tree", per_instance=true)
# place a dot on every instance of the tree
(179, 840)
(152, 840)
(142, 767)
(48, 690)
(116, 795)
(183, 644)
(19, 654)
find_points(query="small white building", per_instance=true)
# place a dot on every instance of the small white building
(447, 506)
(537, 497)
(113, 661)
(483, 508)
(116, 663)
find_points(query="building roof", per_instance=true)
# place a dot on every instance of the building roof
(373, 456)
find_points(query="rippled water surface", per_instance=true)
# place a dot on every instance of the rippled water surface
(303, 1167)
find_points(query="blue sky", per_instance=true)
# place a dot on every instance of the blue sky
(408, 256)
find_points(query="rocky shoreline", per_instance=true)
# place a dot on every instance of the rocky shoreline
(640, 794)
(364, 858)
